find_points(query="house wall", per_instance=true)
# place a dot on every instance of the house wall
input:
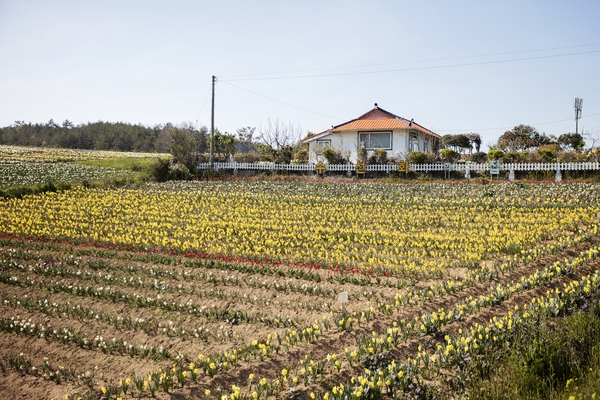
(347, 144)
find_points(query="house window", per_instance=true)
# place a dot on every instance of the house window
(375, 140)
(322, 145)
(413, 143)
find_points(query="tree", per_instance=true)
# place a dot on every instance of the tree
(519, 138)
(457, 142)
(572, 141)
(281, 139)
(245, 140)
(224, 144)
(184, 143)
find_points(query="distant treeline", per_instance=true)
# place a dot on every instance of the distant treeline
(92, 136)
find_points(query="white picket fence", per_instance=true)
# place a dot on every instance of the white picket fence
(582, 166)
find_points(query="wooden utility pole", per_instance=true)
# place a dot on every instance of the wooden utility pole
(212, 126)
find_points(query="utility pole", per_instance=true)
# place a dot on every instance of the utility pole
(578, 106)
(212, 126)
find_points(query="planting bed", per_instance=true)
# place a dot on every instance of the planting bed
(211, 289)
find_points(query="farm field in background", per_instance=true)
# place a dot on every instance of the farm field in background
(28, 166)
(231, 288)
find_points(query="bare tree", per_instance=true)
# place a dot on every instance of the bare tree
(278, 134)
(279, 140)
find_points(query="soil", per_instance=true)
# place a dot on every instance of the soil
(266, 309)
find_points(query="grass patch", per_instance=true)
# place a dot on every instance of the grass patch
(134, 164)
(557, 359)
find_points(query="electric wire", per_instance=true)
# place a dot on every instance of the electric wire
(202, 108)
(510, 127)
(416, 68)
(411, 61)
(278, 101)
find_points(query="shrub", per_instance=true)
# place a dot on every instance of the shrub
(361, 154)
(301, 156)
(417, 157)
(160, 169)
(379, 156)
(179, 172)
(333, 156)
(495, 154)
(449, 155)
(479, 157)
(513, 157)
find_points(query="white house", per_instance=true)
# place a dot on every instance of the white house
(377, 129)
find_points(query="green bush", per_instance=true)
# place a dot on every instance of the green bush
(513, 157)
(301, 156)
(378, 156)
(449, 155)
(542, 360)
(547, 155)
(479, 157)
(333, 156)
(495, 154)
(159, 170)
(417, 157)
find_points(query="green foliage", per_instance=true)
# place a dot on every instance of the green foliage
(379, 156)
(543, 362)
(495, 154)
(571, 141)
(224, 145)
(184, 144)
(417, 157)
(523, 137)
(361, 154)
(456, 142)
(333, 156)
(245, 141)
(449, 155)
(134, 164)
(512, 157)
(160, 169)
(92, 136)
(479, 157)
(301, 156)
(301, 153)
(547, 154)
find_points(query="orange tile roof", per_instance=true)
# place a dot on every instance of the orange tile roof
(371, 124)
(374, 120)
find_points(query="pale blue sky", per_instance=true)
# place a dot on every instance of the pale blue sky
(450, 65)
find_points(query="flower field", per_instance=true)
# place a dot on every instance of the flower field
(230, 289)
(18, 174)
(27, 166)
(46, 154)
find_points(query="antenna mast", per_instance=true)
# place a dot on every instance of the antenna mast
(578, 106)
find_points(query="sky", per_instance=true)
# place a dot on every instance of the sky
(452, 66)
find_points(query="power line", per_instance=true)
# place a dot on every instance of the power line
(418, 68)
(278, 101)
(203, 104)
(410, 61)
(510, 127)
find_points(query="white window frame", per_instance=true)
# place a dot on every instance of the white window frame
(322, 144)
(413, 142)
(367, 146)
